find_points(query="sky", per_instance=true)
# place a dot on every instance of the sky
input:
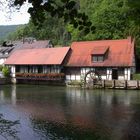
(15, 18)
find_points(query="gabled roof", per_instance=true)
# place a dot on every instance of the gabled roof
(99, 50)
(40, 56)
(120, 53)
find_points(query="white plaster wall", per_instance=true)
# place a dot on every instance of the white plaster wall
(73, 77)
(13, 72)
(103, 77)
(2, 60)
(127, 76)
(78, 77)
(127, 72)
(109, 74)
(68, 78)
(83, 72)
(121, 78)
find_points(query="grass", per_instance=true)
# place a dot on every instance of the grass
(136, 76)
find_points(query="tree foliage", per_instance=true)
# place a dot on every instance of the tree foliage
(6, 71)
(66, 9)
(7, 128)
(64, 21)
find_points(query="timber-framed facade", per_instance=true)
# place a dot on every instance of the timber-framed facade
(111, 59)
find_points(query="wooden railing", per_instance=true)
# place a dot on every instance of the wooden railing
(41, 76)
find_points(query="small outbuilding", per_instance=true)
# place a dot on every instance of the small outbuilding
(37, 64)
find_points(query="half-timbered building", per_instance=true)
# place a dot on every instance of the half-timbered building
(104, 59)
(109, 59)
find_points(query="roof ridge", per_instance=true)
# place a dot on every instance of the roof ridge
(115, 40)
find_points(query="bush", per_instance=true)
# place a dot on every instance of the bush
(1, 67)
(136, 76)
(6, 71)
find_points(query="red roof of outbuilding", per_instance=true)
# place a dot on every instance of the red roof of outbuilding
(41, 56)
(121, 53)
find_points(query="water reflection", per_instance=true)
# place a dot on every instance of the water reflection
(69, 113)
(132, 129)
(13, 95)
(7, 129)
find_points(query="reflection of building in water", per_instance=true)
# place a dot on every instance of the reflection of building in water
(13, 95)
(76, 95)
(1, 96)
(4, 97)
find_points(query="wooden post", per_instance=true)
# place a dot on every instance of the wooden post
(113, 84)
(125, 84)
(103, 83)
(137, 84)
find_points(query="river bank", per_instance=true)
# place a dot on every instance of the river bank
(101, 84)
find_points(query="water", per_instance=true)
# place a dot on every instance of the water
(30, 112)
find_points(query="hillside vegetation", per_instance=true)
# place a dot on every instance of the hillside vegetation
(6, 30)
(112, 19)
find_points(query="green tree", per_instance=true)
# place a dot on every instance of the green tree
(6, 71)
(111, 19)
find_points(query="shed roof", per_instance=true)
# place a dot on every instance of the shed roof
(40, 56)
(120, 54)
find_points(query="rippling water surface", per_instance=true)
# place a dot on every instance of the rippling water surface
(32, 112)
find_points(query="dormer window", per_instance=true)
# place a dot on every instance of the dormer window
(97, 58)
(99, 53)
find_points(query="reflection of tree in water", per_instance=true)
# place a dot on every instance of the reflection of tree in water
(7, 129)
(53, 130)
(132, 131)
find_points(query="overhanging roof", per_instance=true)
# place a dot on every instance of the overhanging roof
(40, 56)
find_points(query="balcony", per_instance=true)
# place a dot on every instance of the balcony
(41, 76)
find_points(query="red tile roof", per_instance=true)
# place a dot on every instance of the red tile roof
(121, 53)
(98, 50)
(40, 56)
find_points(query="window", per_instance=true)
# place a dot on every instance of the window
(121, 71)
(97, 58)
(94, 59)
(101, 71)
(100, 58)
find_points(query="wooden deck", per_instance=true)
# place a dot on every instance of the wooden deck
(116, 84)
